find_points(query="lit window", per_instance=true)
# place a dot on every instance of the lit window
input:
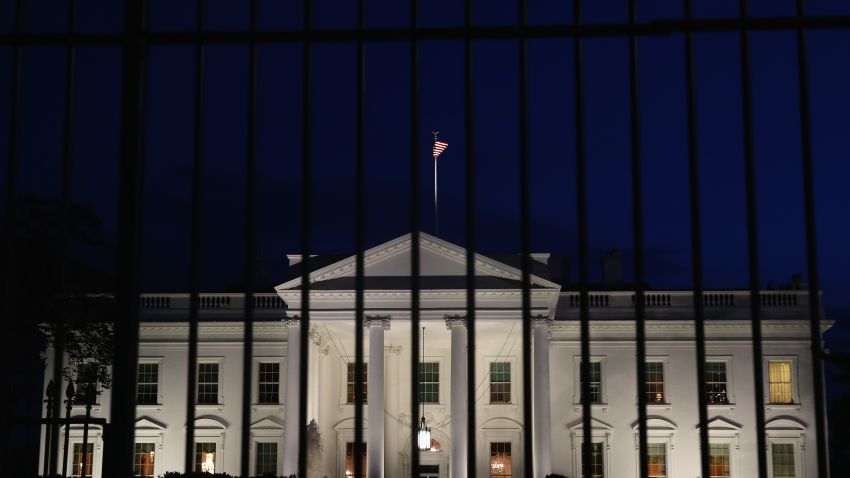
(147, 384)
(269, 383)
(266, 458)
(429, 382)
(500, 382)
(656, 460)
(501, 464)
(779, 372)
(143, 460)
(205, 457)
(81, 463)
(655, 382)
(718, 461)
(597, 464)
(783, 460)
(208, 383)
(595, 382)
(715, 383)
(350, 381)
(349, 459)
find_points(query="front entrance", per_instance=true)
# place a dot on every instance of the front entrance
(429, 471)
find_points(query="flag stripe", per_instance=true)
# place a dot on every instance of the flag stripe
(439, 147)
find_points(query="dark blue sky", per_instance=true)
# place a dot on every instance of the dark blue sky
(551, 121)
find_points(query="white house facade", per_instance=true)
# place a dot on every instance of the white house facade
(672, 389)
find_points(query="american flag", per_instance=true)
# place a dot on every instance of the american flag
(439, 147)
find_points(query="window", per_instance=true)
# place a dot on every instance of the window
(208, 383)
(143, 460)
(655, 383)
(656, 463)
(501, 464)
(500, 382)
(350, 381)
(349, 459)
(595, 375)
(597, 464)
(783, 460)
(779, 374)
(86, 384)
(147, 384)
(269, 383)
(81, 463)
(718, 460)
(429, 382)
(715, 383)
(205, 457)
(266, 458)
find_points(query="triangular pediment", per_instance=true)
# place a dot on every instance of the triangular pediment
(438, 259)
(268, 423)
(722, 423)
(595, 424)
(148, 423)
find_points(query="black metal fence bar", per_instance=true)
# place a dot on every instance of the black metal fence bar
(415, 224)
(696, 243)
(581, 223)
(811, 249)
(359, 245)
(752, 241)
(250, 245)
(470, 243)
(306, 236)
(118, 450)
(195, 240)
(637, 237)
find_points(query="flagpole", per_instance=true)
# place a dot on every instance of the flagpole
(436, 208)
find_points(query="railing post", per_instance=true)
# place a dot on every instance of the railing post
(47, 425)
(84, 450)
(69, 402)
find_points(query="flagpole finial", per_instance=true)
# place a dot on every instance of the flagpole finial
(435, 134)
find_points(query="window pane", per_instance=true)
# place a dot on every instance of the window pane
(655, 382)
(501, 463)
(718, 461)
(429, 382)
(266, 458)
(595, 375)
(350, 382)
(269, 383)
(80, 462)
(597, 465)
(143, 460)
(500, 382)
(86, 384)
(783, 460)
(349, 459)
(147, 384)
(205, 457)
(208, 383)
(656, 462)
(715, 383)
(779, 374)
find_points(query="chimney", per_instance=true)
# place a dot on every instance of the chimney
(797, 282)
(559, 269)
(612, 270)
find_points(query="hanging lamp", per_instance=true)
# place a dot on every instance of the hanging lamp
(424, 437)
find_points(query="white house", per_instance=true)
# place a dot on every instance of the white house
(671, 390)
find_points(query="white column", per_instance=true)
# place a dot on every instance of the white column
(458, 408)
(392, 464)
(292, 423)
(313, 375)
(541, 410)
(375, 398)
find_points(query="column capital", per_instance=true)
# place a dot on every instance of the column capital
(392, 349)
(377, 321)
(291, 321)
(452, 320)
(541, 320)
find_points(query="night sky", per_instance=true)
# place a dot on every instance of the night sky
(167, 193)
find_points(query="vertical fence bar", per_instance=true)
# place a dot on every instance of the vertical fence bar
(359, 243)
(415, 224)
(118, 454)
(250, 244)
(525, 246)
(752, 239)
(637, 237)
(696, 242)
(470, 243)
(65, 201)
(306, 224)
(811, 248)
(581, 213)
(195, 238)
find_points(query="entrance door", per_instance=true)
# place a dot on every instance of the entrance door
(429, 471)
